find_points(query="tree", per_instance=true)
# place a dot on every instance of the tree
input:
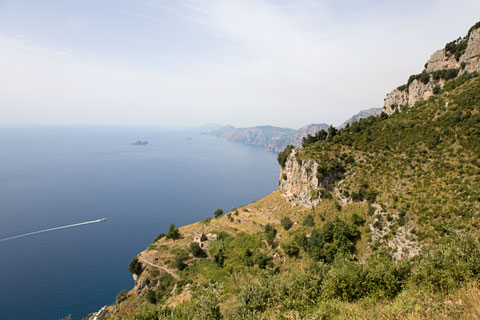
(135, 266)
(286, 223)
(283, 155)
(218, 213)
(332, 132)
(151, 297)
(196, 250)
(309, 221)
(270, 233)
(172, 233)
(179, 261)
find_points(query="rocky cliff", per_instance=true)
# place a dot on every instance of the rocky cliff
(361, 115)
(457, 58)
(272, 138)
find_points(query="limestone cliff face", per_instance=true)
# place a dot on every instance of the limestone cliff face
(298, 179)
(416, 90)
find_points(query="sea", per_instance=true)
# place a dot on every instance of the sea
(54, 176)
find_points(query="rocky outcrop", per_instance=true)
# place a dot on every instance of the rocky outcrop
(300, 183)
(462, 55)
(361, 115)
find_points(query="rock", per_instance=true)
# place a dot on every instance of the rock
(416, 91)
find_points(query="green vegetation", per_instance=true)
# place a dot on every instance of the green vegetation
(196, 250)
(135, 266)
(218, 213)
(282, 156)
(172, 233)
(286, 223)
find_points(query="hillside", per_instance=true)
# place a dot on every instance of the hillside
(272, 138)
(378, 220)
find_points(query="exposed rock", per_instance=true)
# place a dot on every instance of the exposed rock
(416, 90)
(361, 115)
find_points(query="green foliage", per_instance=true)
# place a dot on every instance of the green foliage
(172, 233)
(357, 220)
(270, 233)
(286, 223)
(447, 265)
(160, 236)
(319, 136)
(135, 266)
(121, 296)
(179, 261)
(334, 238)
(283, 155)
(290, 249)
(309, 221)
(196, 250)
(151, 297)
(331, 168)
(445, 74)
(217, 249)
(218, 213)
(457, 47)
(332, 132)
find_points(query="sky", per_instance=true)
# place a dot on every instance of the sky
(190, 62)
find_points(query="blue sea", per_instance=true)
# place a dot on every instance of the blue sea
(57, 176)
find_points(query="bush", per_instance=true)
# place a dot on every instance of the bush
(179, 261)
(218, 213)
(160, 236)
(270, 233)
(334, 238)
(196, 250)
(446, 266)
(121, 296)
(172, 233)
(357, 220)
(309, 221)
(286, 223)
(151, 297)
(290, 249)
(135, 266)
(283, 155)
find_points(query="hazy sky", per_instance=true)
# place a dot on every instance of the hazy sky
(284, 63)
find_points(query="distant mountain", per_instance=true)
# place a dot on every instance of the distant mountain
(362, 114)
(272, 138)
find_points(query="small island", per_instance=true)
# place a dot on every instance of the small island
(139, 143)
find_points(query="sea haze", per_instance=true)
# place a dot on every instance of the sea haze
(57, 176)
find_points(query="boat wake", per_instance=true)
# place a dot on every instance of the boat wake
(52, 229)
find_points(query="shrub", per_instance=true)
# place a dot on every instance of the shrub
(160, 236)
(218, 213)
(217, 251)
(135, 266)
(151, 297)
(196, 250)
(270, 233)
(179, 261)
(309, 221)
(172, 233)
(121, 296)
(357, 220)
(447, 265)
(286, 223)
(283, 155)
(290, 249)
